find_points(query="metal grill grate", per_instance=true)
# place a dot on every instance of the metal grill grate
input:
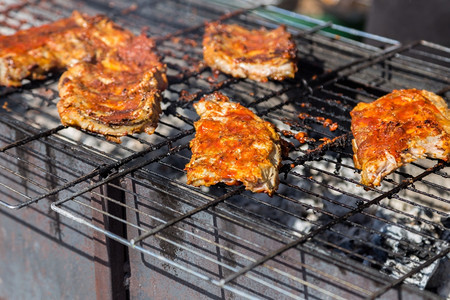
(320, 236)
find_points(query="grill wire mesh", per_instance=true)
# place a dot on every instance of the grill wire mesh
(321, 235)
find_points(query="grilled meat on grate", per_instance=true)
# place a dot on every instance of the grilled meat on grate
(113, 81)
(34, 52)
(254, 54)
(233, 145)
(117, 96)
(399, 128)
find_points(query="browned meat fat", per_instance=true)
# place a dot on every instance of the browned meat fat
(254, 54)
(233, 145)
(399, 128)
(118, 96)
(34, 52)
(113, 81)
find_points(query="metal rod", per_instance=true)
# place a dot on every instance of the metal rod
(187, 215)
(32, 138)
(115, 175)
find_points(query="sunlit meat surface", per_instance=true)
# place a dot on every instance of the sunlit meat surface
(233, 145)
(399, 128)
(254, 54)
(117, 96)
(33, 53)
(113, 81)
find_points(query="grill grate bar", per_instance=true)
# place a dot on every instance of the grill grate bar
(332, 223)
(48, 174)
(56, 190)
(313, 30)
(443, 91)
(25, 196)
(105, 213)
(436, 197)
(24, 178)
(422, 207)
(37, 154)
(361, 64)
(31, 138)
(187, 215)
(440, 173)
(409, 71)
(105, 169)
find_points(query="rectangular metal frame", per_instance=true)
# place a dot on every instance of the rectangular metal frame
(187, 228)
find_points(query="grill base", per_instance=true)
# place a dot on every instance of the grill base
(124, 215)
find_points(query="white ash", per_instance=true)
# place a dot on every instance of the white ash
(399, 249)
(399, 265)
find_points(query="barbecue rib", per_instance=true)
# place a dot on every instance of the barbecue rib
(34, 52)
(399, 128)
(117, 96)
(233, 145)
(113, 81)
(254, 54)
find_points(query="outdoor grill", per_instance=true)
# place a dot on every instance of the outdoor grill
(84, 217)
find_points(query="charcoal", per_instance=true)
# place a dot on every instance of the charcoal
(439, 281)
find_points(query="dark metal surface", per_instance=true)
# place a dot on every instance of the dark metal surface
(320, 236)
(45, 256)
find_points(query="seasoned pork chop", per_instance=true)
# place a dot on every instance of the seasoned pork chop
(399, 128)
(117, 96)
(254, 54)
(233, 145)
(34, 52)
(113, 81)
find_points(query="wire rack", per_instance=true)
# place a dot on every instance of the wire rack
(322, 235)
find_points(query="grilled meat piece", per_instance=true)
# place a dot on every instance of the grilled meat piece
(116, 96)
(233, 145)
(113, 81)
(254, 54)
(34, 52)
(399, 128)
